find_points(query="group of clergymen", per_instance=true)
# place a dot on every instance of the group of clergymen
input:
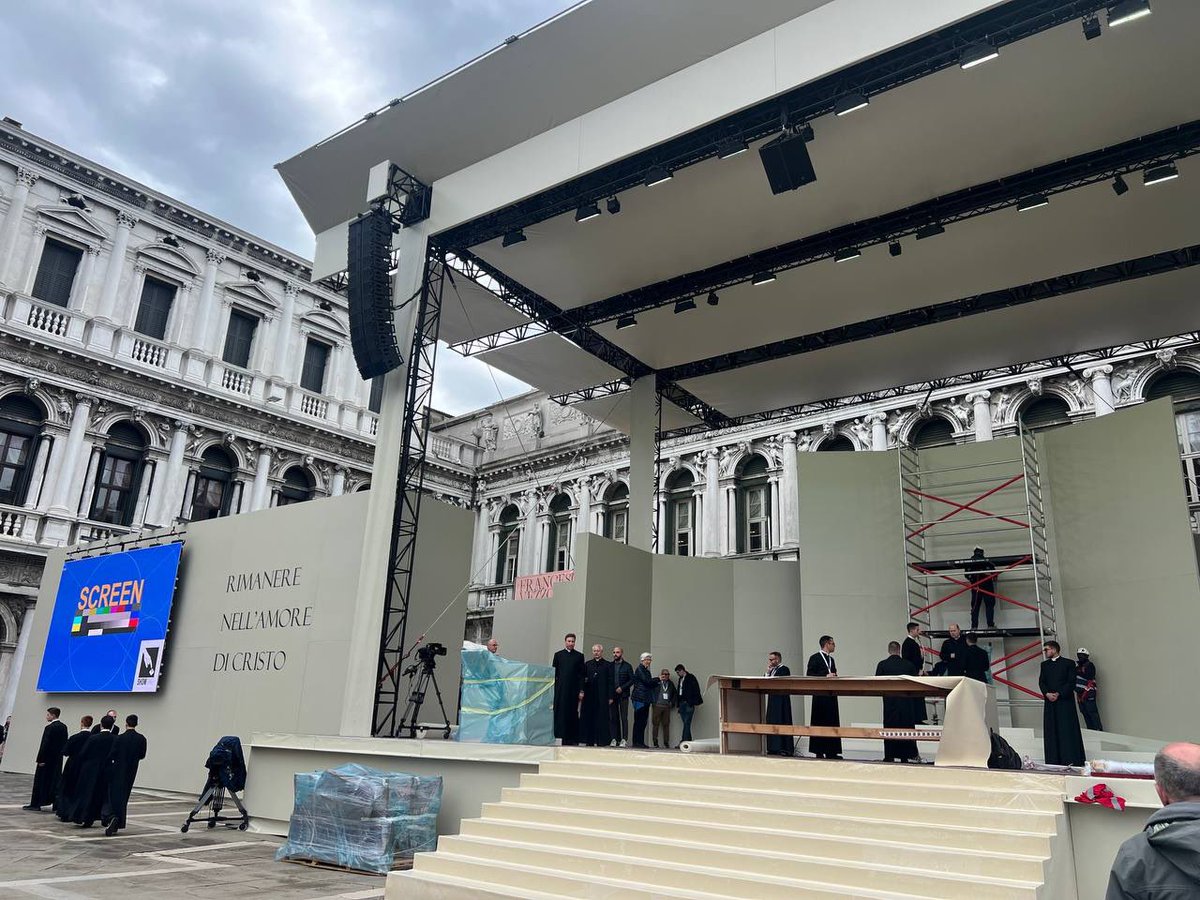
(95, 783)
(592, 698)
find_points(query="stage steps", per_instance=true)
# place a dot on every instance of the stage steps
(608, 823)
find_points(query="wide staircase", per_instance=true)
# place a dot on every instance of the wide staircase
(608, 823)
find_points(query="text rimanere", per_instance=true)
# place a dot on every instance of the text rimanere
(262, 580)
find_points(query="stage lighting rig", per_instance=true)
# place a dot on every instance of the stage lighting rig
(1160, 173)
(586, 212)
(516, 236)
(847, 254)
(762, 278)
(657, 175)
(624, 322)
(848, 103)
(931, 230)
(684, 305)
(613, 205)
(1091, 27)
(977, 54)
(1119, 186)
(1127, 11)
(730, 147)
(895, 249)
(1033, 201)
(713, 299)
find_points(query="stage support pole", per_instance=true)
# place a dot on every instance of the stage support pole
(643, 426)
(362, 672)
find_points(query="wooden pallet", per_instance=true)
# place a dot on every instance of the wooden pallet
(400, 865)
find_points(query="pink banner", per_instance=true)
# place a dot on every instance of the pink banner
(538, 587)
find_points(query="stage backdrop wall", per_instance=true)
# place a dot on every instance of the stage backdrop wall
(201, 697)
(1127, 566)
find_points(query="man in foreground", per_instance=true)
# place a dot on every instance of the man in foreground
(597, 697)
(911, 650)
(1163, 862)
(49, 762)
(689, 698)
(779, 709)
(954, 652)
(95, 763)
(64, 805)
(568, 691)
(824, 709)
(1060, 719)
(618, 723)
(129, 749)
(898, 712)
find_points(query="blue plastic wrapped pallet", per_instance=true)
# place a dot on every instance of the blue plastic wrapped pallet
(360, 818)
(505, 701)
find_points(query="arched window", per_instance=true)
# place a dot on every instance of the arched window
(119, 475)
(214, 485)
(839, 442)
(680, 505)
(508, 545)
(754, 506)
(1045, 412)
(559, 538)
(933, 432)
(297, 486)
(616, 512)
(21, 422)
(1183, 387)
(365, 486)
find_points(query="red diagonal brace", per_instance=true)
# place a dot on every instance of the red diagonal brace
(960, 507)
(1019, 662)
(1019, 687)
(1015, 653)
(963, 507)
(967, 585)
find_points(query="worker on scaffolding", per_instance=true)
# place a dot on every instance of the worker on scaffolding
(982, 574)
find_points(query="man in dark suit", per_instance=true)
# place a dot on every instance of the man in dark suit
(129, 749)
(977, 663)
(824, 709)
(954, 651)
(597, 697)
(911, 651)
(622, 687)
(64, 804)
(779, 709)
(689, 698)
(897, 711)
(568, 691)
(49, 762)
(95, 763)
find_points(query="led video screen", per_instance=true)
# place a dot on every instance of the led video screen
(109, 623)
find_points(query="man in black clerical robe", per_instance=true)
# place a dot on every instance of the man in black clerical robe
(49, 762)
(779, 709)
(1060, 716)
(911, 650)
(568, 691)
(954, 651)
(91, 790)
(824, 709)
(129, 749)
(64, 803)
(897, 711)
(597, 698)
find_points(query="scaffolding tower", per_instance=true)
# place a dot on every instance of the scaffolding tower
(996, 504)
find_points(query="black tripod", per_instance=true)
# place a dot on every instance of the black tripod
(213, 796)
(420, 677)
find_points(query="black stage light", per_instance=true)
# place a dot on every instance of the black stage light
(806, 133)
(614, 205)
(684, 305)
(894, 248)
(1158, 174)
(1033, 201)
(1127, 11)
(928, 231)
(626, 322)
(786, 162)
(516, 236)
(1091, 27)
(713, 299)
(847, 254)
(657, 175)
(731, 146)
(587, 211)
(1119, 186)
(848, 103)
(762, 278)
(976, 54)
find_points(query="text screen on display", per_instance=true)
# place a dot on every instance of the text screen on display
(110, 622)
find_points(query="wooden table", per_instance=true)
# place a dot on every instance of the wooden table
(741, 705)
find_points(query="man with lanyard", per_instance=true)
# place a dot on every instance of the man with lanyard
(824, 709)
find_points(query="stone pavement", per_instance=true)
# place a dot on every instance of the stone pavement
(42, 857)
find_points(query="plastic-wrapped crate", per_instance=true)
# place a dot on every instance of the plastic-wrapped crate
(366, 845)
(415, 834)
(505, 701)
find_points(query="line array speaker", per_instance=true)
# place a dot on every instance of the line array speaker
(787, 163)
(372, 326)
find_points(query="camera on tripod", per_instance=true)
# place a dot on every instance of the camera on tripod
(421, 676)
(430, 652)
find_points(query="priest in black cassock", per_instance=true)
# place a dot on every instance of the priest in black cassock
(49, 762)
(954, 651)
(779, 709)
(64, 803)
(129, 748)
(898, 712)
(911, 650)
(568, 691)
(91, 790)
(598, 690)
(1060, 716)
(824, 709)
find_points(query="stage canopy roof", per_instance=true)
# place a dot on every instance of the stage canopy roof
(937, 186)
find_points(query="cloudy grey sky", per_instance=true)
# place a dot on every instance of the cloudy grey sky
(200, 98)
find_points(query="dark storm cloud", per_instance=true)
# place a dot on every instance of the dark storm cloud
(200, 98)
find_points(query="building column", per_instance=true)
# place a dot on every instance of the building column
(141, 508)
(337, 486)
(163, 504)
(283, 337)
(643, 423)
(200, 338)
(479, 545)
(220, 326)
(583, 520)
(18, 659)
(527, 551)
(80, 490)
(189, 488)
(26, 179)
(103, 324)
(983, 415)
(1103, 402)
(789, 531)
(711, 522)
(72, 450)
(262, 471)
(37, 478)
(879, 438)
(83, 281)
(729, 532)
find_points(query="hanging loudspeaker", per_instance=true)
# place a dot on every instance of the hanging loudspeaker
(372, 326)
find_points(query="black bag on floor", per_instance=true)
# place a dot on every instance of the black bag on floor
(1003, 756)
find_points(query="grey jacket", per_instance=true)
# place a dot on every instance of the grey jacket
(1163, 862)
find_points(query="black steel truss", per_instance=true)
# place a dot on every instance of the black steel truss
(1008, 23)
(409, 490)
(906, 320)
(600, 391)
(408, 198)
(1003, 193)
